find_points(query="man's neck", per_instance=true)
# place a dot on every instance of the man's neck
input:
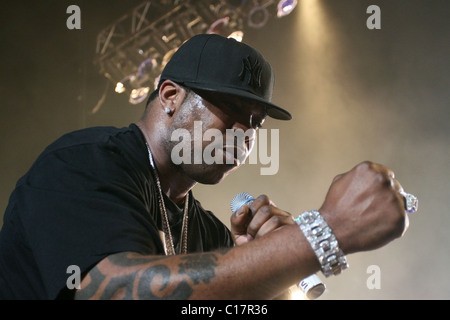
(174, 183)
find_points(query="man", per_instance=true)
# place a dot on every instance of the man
(117, 204)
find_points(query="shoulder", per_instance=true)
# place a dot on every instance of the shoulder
(94, 142)
(92, 136)
(98, 151)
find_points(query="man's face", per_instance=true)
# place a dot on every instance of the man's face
(222, 130)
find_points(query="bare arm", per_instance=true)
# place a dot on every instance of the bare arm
(363, 207)
(245, 272)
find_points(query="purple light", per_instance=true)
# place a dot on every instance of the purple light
(285, 7)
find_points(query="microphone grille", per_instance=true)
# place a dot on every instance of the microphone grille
(239, 200)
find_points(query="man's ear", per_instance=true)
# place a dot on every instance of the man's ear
(171, 95)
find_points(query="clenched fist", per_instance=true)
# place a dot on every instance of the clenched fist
(364, 208)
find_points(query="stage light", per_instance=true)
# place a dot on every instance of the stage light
(168, 56)
(237, 35)
(258, 17)
(132, 52)
(221, 27)
(139, 95)
(146, 67)
(120, 88)
(285, 7)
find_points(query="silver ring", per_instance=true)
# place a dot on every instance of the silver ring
(411, 202)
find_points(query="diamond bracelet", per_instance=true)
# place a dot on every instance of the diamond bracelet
(322, 240)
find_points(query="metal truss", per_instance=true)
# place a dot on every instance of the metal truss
(132, 51)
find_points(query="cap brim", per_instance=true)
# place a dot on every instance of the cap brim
(273, 111)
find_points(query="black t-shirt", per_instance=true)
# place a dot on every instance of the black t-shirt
(90, 194)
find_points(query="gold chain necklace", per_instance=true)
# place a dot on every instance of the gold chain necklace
(168, 239)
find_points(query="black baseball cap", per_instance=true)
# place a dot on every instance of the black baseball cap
(213, 63)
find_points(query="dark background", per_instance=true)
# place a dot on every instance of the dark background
(355, 94)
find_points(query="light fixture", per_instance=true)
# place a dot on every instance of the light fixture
(120, 88)
(221, 27)
(146, 67)
(237, 35)
(132, 51)
(285, 7)
(167, 57)
(258, 17)
(139, 95)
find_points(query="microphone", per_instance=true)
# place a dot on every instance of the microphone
(311, 286)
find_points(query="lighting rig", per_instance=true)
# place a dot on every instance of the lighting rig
(132, 51)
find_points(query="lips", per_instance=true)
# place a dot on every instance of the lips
(225, 151)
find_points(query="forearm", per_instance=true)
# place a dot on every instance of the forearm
(261, 269)
(264, 268)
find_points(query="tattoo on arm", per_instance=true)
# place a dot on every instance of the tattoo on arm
(133, 276)
(199, 267)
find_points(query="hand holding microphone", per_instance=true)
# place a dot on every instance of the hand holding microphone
(364, 209)
(311, 286)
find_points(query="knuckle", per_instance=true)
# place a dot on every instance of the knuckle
(264, 199)
(365, 165)
(384, 179)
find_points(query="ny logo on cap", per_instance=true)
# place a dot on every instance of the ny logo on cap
(252, 71)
